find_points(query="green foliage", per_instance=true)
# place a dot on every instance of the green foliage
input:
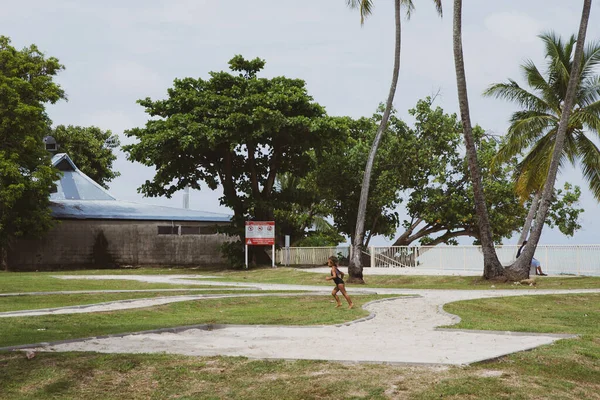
(441, 207)
(533, 129)
(339, 175)
(91, 149)
(26, 175)
(240, 131)
(563, 212)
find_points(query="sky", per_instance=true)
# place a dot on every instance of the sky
(116, 52)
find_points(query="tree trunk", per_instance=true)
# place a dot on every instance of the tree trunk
(527, 227)
(527, 255)
(491, 265)
(355, 268)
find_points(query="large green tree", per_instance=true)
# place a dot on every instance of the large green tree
(365, 8)
(423, 169)
(26, 174)
(234, 129)
(91, 149)
(533, 129)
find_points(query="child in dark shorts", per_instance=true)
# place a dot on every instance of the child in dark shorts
(336, 276)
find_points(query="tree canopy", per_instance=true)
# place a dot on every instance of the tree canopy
(533, 129)
(234, 129)
(26, 174)
(91, 149)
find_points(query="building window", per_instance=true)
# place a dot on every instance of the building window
(190, 230)
(168, 230)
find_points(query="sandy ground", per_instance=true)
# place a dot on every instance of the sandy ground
(402, 331)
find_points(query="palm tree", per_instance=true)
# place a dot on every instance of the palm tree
(365, 8)
(492, 267)
(535, 127)
(578, 66)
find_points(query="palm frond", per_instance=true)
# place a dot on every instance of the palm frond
(588, 117)
(533, 169)
(531, 124)
(438, 7)
(513, 92)
(590, 163)
(591, 59)
(365, 8)
(525, 130)
(559, 61)
(589, 91)
(409, 6)
(547, 88)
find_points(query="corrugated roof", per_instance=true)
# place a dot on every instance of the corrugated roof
(124, 210)
(77, 196)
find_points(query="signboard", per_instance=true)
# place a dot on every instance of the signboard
(260, 233)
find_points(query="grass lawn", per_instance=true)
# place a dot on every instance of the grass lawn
(568, 369)
(32, 302)
(297, 310)
(20, 282)
(293, 276)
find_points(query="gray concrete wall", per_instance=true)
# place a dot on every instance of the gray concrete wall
(77, 243)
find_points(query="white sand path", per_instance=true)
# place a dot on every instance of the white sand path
(402, 331)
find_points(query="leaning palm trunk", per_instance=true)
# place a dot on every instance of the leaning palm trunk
(491, 265)
(355, 268)
(527, 255)
(527, 226)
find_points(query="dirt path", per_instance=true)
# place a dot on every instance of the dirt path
(402, 331)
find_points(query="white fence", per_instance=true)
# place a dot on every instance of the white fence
(555, 259)
(310, 255)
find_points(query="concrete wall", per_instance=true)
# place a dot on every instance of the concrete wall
(78, 243)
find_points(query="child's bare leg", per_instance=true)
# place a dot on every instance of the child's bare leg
(335, 296)
(343, 290)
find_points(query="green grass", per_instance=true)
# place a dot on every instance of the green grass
(20, 282)
(567, 369)
(297, 310)
(32, 302)
(573, 313)
(284, 276)
(293, 276)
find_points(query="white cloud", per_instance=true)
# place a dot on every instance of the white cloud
(514, 27)
(130, 75)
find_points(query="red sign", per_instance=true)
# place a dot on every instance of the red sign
(260, 233)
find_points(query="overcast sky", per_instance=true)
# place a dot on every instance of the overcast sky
(116, 52)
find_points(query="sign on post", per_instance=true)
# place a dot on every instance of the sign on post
(260, 233)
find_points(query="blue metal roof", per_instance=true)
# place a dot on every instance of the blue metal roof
(74, 184)
(124, 210)
(77, 196)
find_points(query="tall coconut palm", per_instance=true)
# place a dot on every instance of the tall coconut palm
(560, 140)
(533, 129)
(365, 8)
(491, 265)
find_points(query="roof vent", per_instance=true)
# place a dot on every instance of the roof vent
(50, 144)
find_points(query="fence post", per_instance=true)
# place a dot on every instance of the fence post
(464, 258)
(578, 263)
(372, 256)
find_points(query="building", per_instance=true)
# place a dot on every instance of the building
(95, 230)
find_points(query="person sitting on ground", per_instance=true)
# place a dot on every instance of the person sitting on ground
(534, 262)
(336, 276)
